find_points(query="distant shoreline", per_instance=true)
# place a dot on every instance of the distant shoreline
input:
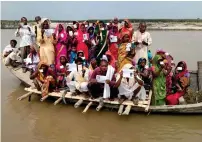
(168, 25)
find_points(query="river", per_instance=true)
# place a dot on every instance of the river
(23, 121)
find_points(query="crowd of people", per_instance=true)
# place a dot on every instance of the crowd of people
(101, 60)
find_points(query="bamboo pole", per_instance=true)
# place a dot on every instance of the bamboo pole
(58, 101)
(44, 98)
(200, 75)
(87, 107)
(24, 96)
(78, 103)
(99, 107)
(149, 101)
(120, 111)
(127, 110)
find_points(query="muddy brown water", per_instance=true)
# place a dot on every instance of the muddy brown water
(35, 121)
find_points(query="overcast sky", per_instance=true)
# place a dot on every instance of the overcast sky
(100, 10)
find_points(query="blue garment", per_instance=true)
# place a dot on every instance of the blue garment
(72, 56)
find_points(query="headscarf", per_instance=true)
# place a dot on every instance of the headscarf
(184, 72)
(155, 62)
(45, 19)
(112, 59)
(62, 35)
(41, 75)
(93, 34)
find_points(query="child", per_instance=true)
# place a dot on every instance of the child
(80, 54)
(72, 55)
(62, 72)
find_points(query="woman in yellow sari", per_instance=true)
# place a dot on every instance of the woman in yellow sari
(125, 52)
(44, 78)
(47, 43)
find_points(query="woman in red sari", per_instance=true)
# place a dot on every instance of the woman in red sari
(113, 41)
(127, 29)
(61, 37)
(82, 38)
(180, 83)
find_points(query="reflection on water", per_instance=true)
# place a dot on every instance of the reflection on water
(36, 121)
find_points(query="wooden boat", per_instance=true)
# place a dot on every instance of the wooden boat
(142, 106)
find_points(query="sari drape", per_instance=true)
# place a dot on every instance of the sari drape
(159, 83)
(183, 79)
(61, 48)
(81, 43)
(122, 56)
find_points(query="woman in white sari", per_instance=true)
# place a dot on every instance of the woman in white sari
(130, 88)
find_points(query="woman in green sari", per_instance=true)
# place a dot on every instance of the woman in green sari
(159, 81)
(102, 36)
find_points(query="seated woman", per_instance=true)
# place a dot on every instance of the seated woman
(144, 73)
(159, 80)
(11, 54)
(62, 72)
(125, 52)
(180, 83)
(105, 88)
(44, 79)
(130, 88)
(32, 60)
(77, 81)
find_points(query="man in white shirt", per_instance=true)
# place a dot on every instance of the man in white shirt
(11, 54)
(32, 60)
(142, 39)
(26, 35)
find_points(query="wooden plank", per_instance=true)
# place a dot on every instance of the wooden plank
(120, 111)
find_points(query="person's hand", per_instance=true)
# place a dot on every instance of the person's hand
(144, 43)
(83, 70)
(137, 43)
(19, 26)
(93, 81)
(179, 89)
(121, 74)
(29, 29)
(107, 81)
(42, 31)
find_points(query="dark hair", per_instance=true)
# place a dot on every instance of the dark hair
(79, 53)
(15, 42)
(79, 60)
(24, 18)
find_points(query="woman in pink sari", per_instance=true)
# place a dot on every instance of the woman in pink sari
(61, 37)
(82, 39)
(113, 42)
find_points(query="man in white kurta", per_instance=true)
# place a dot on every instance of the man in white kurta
(11, 53)
(142, 39)
(26, 35)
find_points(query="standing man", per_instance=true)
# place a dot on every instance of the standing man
(142, 39)
(26, 35)
(37, 31)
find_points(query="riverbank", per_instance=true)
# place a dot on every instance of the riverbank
(150, 25)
